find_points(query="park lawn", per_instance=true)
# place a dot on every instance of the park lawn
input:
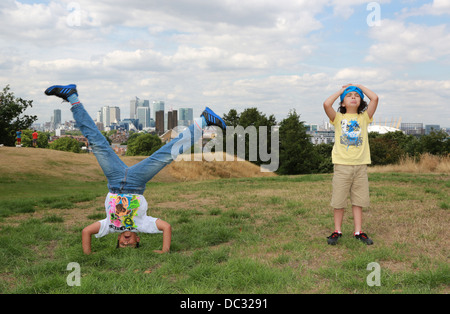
(245, 235)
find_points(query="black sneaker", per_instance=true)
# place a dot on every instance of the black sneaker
(364, 238)
(333, 238)
(61, 91)
(213, 119)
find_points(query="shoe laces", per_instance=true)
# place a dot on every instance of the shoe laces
(362, 235)
(334, 235)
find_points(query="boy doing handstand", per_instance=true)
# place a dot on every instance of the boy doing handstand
(126, 207)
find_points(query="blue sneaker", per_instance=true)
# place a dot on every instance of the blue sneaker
(61, 91)
(213, 119)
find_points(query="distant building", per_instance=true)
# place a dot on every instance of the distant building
(432, 127)
(114, 115)
(56, 119)
(412, 128)
(159, 123)
(186, 116)
(321, 137)
(172, 119)
(381, 129)
(143, 115)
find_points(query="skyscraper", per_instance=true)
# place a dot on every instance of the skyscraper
(106, 116)
(159, 123)
(56, 118)
(114, 114)
(134, 104)
(143, 115)
(172, 119)
(157, 106)
(186, 117)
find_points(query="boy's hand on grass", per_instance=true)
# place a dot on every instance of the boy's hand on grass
(160, 251)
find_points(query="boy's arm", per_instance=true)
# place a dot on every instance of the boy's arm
(328, 103)
(166, 228)
(372, 107)
(86, 236)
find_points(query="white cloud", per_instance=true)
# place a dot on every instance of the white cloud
(222, 53)
(401, 43)
(437, 7)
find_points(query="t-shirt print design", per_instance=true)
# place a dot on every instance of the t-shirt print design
(351, 133)
(122, 210)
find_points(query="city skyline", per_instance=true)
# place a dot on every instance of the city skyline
(276, 55)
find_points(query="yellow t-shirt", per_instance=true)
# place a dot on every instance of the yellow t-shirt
(351, 140)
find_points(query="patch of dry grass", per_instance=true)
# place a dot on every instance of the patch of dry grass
(426, 163)
(61, 164)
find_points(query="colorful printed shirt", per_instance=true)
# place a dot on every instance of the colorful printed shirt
(351, 141)
(126, 212)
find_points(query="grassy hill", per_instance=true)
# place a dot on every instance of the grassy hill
(255, 233)
(61, 165)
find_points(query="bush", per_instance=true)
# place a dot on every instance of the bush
(297, 153)
(143, 145)
(67, 144)
(27, 139)
(385, 151)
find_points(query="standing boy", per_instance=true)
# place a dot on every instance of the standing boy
(350, 155)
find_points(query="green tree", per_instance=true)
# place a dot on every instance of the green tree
(297, 153)
(42, 141)
(143, 144)
(435, 143)
(67, 144)
(12, 117)
(323, 152)
(105, 134)
(250, 117)
(384, 151)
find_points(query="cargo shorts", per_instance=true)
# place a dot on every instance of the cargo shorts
(350, 180)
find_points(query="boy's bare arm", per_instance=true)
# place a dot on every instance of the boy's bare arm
(372, 107)
(328, 103)
(166, 228)
(86, 236)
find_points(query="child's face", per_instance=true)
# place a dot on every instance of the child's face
(128, 239)
(351, 101)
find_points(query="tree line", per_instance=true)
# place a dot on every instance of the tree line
(297, 155)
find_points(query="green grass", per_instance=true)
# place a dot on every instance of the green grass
(261, 235)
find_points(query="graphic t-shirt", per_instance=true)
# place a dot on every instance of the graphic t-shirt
(126, 212)
(351, 140)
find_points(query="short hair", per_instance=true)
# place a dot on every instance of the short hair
(362, 107)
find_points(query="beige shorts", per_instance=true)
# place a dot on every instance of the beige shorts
(353, 180)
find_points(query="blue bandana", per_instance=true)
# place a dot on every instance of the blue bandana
(352, 89)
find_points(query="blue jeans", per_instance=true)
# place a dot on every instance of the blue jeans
(131, 180)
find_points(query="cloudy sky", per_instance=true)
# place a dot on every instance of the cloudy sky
(276, 55)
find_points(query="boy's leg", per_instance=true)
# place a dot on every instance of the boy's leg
(113, 167)
(357, 217)
(338, 218)
(359, 195)
(144, 171)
